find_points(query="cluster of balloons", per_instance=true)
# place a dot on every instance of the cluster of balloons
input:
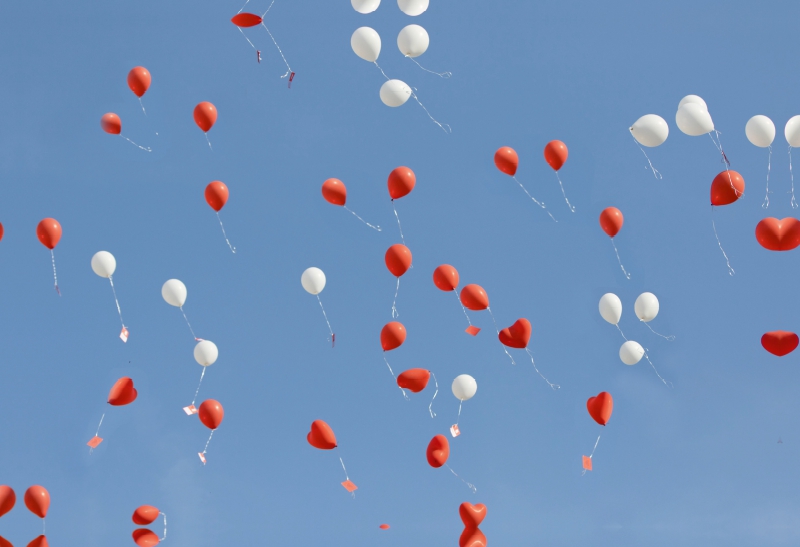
(37, 500)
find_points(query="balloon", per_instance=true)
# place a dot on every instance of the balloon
(313, 280)
(779, 342)
(555, 154)
(413, 41)
(395, 93)
(139, 80)
(321, 436)
(517, 335)
(211, 413)
(206, 353)
(384, 526)
(445, 277)
(5, 543)
(37, 500)
(145, 514)
(1, 231)
(334, 191)
(205, 116)
(472, 537)
(246, 20)
(600, 407)
(611, 308)
(39, 541)
(631, 352)
(216, 195)
(472, 515)
(414, 379)
(398, 259)
(7, 499)
(122, 392)
(760, 131)
(474, 298)
(792, 131)
(392, 335)
(174, 292)
(694, 120)
(104, 264)
(726, 188)
(49, 232)
(506, 160)
(778, 235)
(365, 6)
(650, 130)
(693, 99)
(111, 123)
(412, 7)
(366, 43)
(464, 387)
(400, 182)
(145, 538)
(438, 451)
(611, 221)
(646, 307)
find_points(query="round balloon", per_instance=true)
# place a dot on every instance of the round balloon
(792, 131)
(216, 195)
(760, 131)
(49, 232)
(506, 160)
(400, 182)
(392, 335)
(611, 308)
(693, 99)
(413, 41)
(631, 352)
(174, 292)
(646, 307)
(313, 280)
(206, 353)
(366, 43)
(111, 123)
(474, 298)
(398, 259)
(611, 221)
(365, 6)
(37, 500)
(650, 130)
(205, 116)
(555, 154)
(211, 413)
(139, 80)
(145, 514)
(727, 187)
(334, 192)
(694, 120)
(412, 7)
(464, 387)
(104, 264)
(7, 499)
(445, 277)
(395, 93)
(145, 538)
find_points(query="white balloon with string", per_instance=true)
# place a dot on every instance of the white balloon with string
(631, 352)
(104, 264)
(395, 93)
(650, 130)
(646, 308)
(365, 6)
(413, 41)
(611, 309)
(174, 293)
(413, 7)
(206, 354)
(792, 133)
(694, 120)
(464, 388)
(760, 132)
(313, 281)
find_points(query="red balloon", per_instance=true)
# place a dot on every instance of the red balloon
(778, 235)
(139, 80)
(555, 154)
(145, 538)
(392, 335)
(474, 298)
(205, 115)
(246, 20)
(611, 221)
(398, 259)
(401, 182)
(1, 231)
(37, 500)
(384, 526)
(506, 160)
(49, 232)
(445, 277)
(321, 436)
(211, 413)
(472, 515)
(472, 537)
(517, 335)
(145, 514)
(414, 379)
(438, 451)
(7, 499)
(5, 543)
(122, 392)
(334, 191)
(216, 195)
(726, 188)
(39, 541)
(111, 123)
(600, 407)
(780, 342)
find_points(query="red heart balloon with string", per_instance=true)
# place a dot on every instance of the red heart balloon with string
(438, 451)
(321, 436)
(600, 407)
(780, 342)
(472, 515)
(517, 335)
(122, 392)
(414, 379)
(778, 235)
(472, 537)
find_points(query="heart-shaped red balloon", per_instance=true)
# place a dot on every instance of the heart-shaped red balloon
(517, 335)
(472, 515)
(438, 451)
(122, 392)
(145, 538)
(321, 436)
(472, 537)
(414, 379)
(600, 407)
(726, 188)
(778, 235)
(780, 342)
(40, 541)
(145, 514)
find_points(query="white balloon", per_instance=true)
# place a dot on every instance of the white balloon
(412, 7)
(366, 43)
(313, 280)
(206, 353)
(174, 292)
(694, 120)
(650, 130)
(365, 6)
(611, 308)
(760, 131)
(792, 131)
(464, 387)
(693, 99)
(104, 264)
(395, 93)
(631, 352)
(646, 307)
(413, 41)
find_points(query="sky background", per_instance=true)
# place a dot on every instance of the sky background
(696, 464)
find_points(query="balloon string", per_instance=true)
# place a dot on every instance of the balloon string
(202, 374)
(670, 337)
(231, 247)
(347, 477)
(627, 275)
(791, 175)
(713, 224)
(654, 369)
(540, 204)
(592, 454)
(620, 331)
(394, 304)
(442, 126)
(189, 324)
(113, 290)
(398, 223)
(765, 205)
(440, 74)
(133, 143)
(656, 173)
(289, 69)
(246, 38)
(552, 385)
(165, 526)
(379, 68)
(98, 425)
(403, 391)
(458, 418)
(378, 228)
(325, 315)
(469, 485)
(498, 333)
(462, 307)
(245, 5)
(563, 193)
(208, 141)
(718, 144)
(208, 441)
(55, 276)
(430, 409)
(142, 105)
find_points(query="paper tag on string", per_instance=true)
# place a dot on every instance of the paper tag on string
(587, 463)
(94, 442)
(291, 77)
(349, 486)
(454, 431)
(202, 457)
(472, 330)
(123, 335)
(189, 410)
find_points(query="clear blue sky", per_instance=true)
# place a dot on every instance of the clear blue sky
(698, 464)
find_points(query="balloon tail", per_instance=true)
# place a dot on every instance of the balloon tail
(718, 144)
(208, 141)
(469, 485)
(622, 333)
(430, 406)
(146, 149)
(288, 68)
(670, 337)
(245, 5)
(231, 247)
(207, 443)
(378, 228)
(563, 193)
(627, 275)
(458, 418)
(539, 203)
(55, 276)
(656, 173)
(398, 223)
(440, 74)
(592, 454)
(346, 476)
(379, 68)
(119, 311)
(325, 315)
(403, 391)
(462, 307)
(551, 384)
(791, 176)
(646, 356)
(441, 126)
(498, 333)
(765, 205)
(189, 325)
(165, 526)
(394, 303)
(713, 224)
(202, 375)
(142, 105)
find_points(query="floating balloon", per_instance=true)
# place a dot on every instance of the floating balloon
(506, 160)
(611, 308)
(104, 264)
(392, 335)
(413, 7)
(474, 298)
(650, 130)
(438, 451)
(145, 538)
(37, 500)
(760, 131)
(472, 515)
(517, 335)
(334, 192)
(464, 387)
(216, 195)
(1, 231)
(174, 293)
(631, 352)
(792, 131)
(211, 413)
(400, 182)
(600, 407)
(472, 538)
(445, 277)
(321, 436)
(5, 543)
(727, 187)
(49, 232)
(111, 123)
(366, 43)
(246, 20)
(780, 342)
(145, 514)
(413, 41)
(414, 379)
(611, 221)
(694, 120)
(41, 541)
(139, 80)
(384, 526)
(206, 353)
(555, 154)
(395, 93)
(205, 116)
(646, 307)
(778, 235)
(313, 280)
(122, 392)
(7, 499)
(398, 259)
(365, 6)
(693, 99)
